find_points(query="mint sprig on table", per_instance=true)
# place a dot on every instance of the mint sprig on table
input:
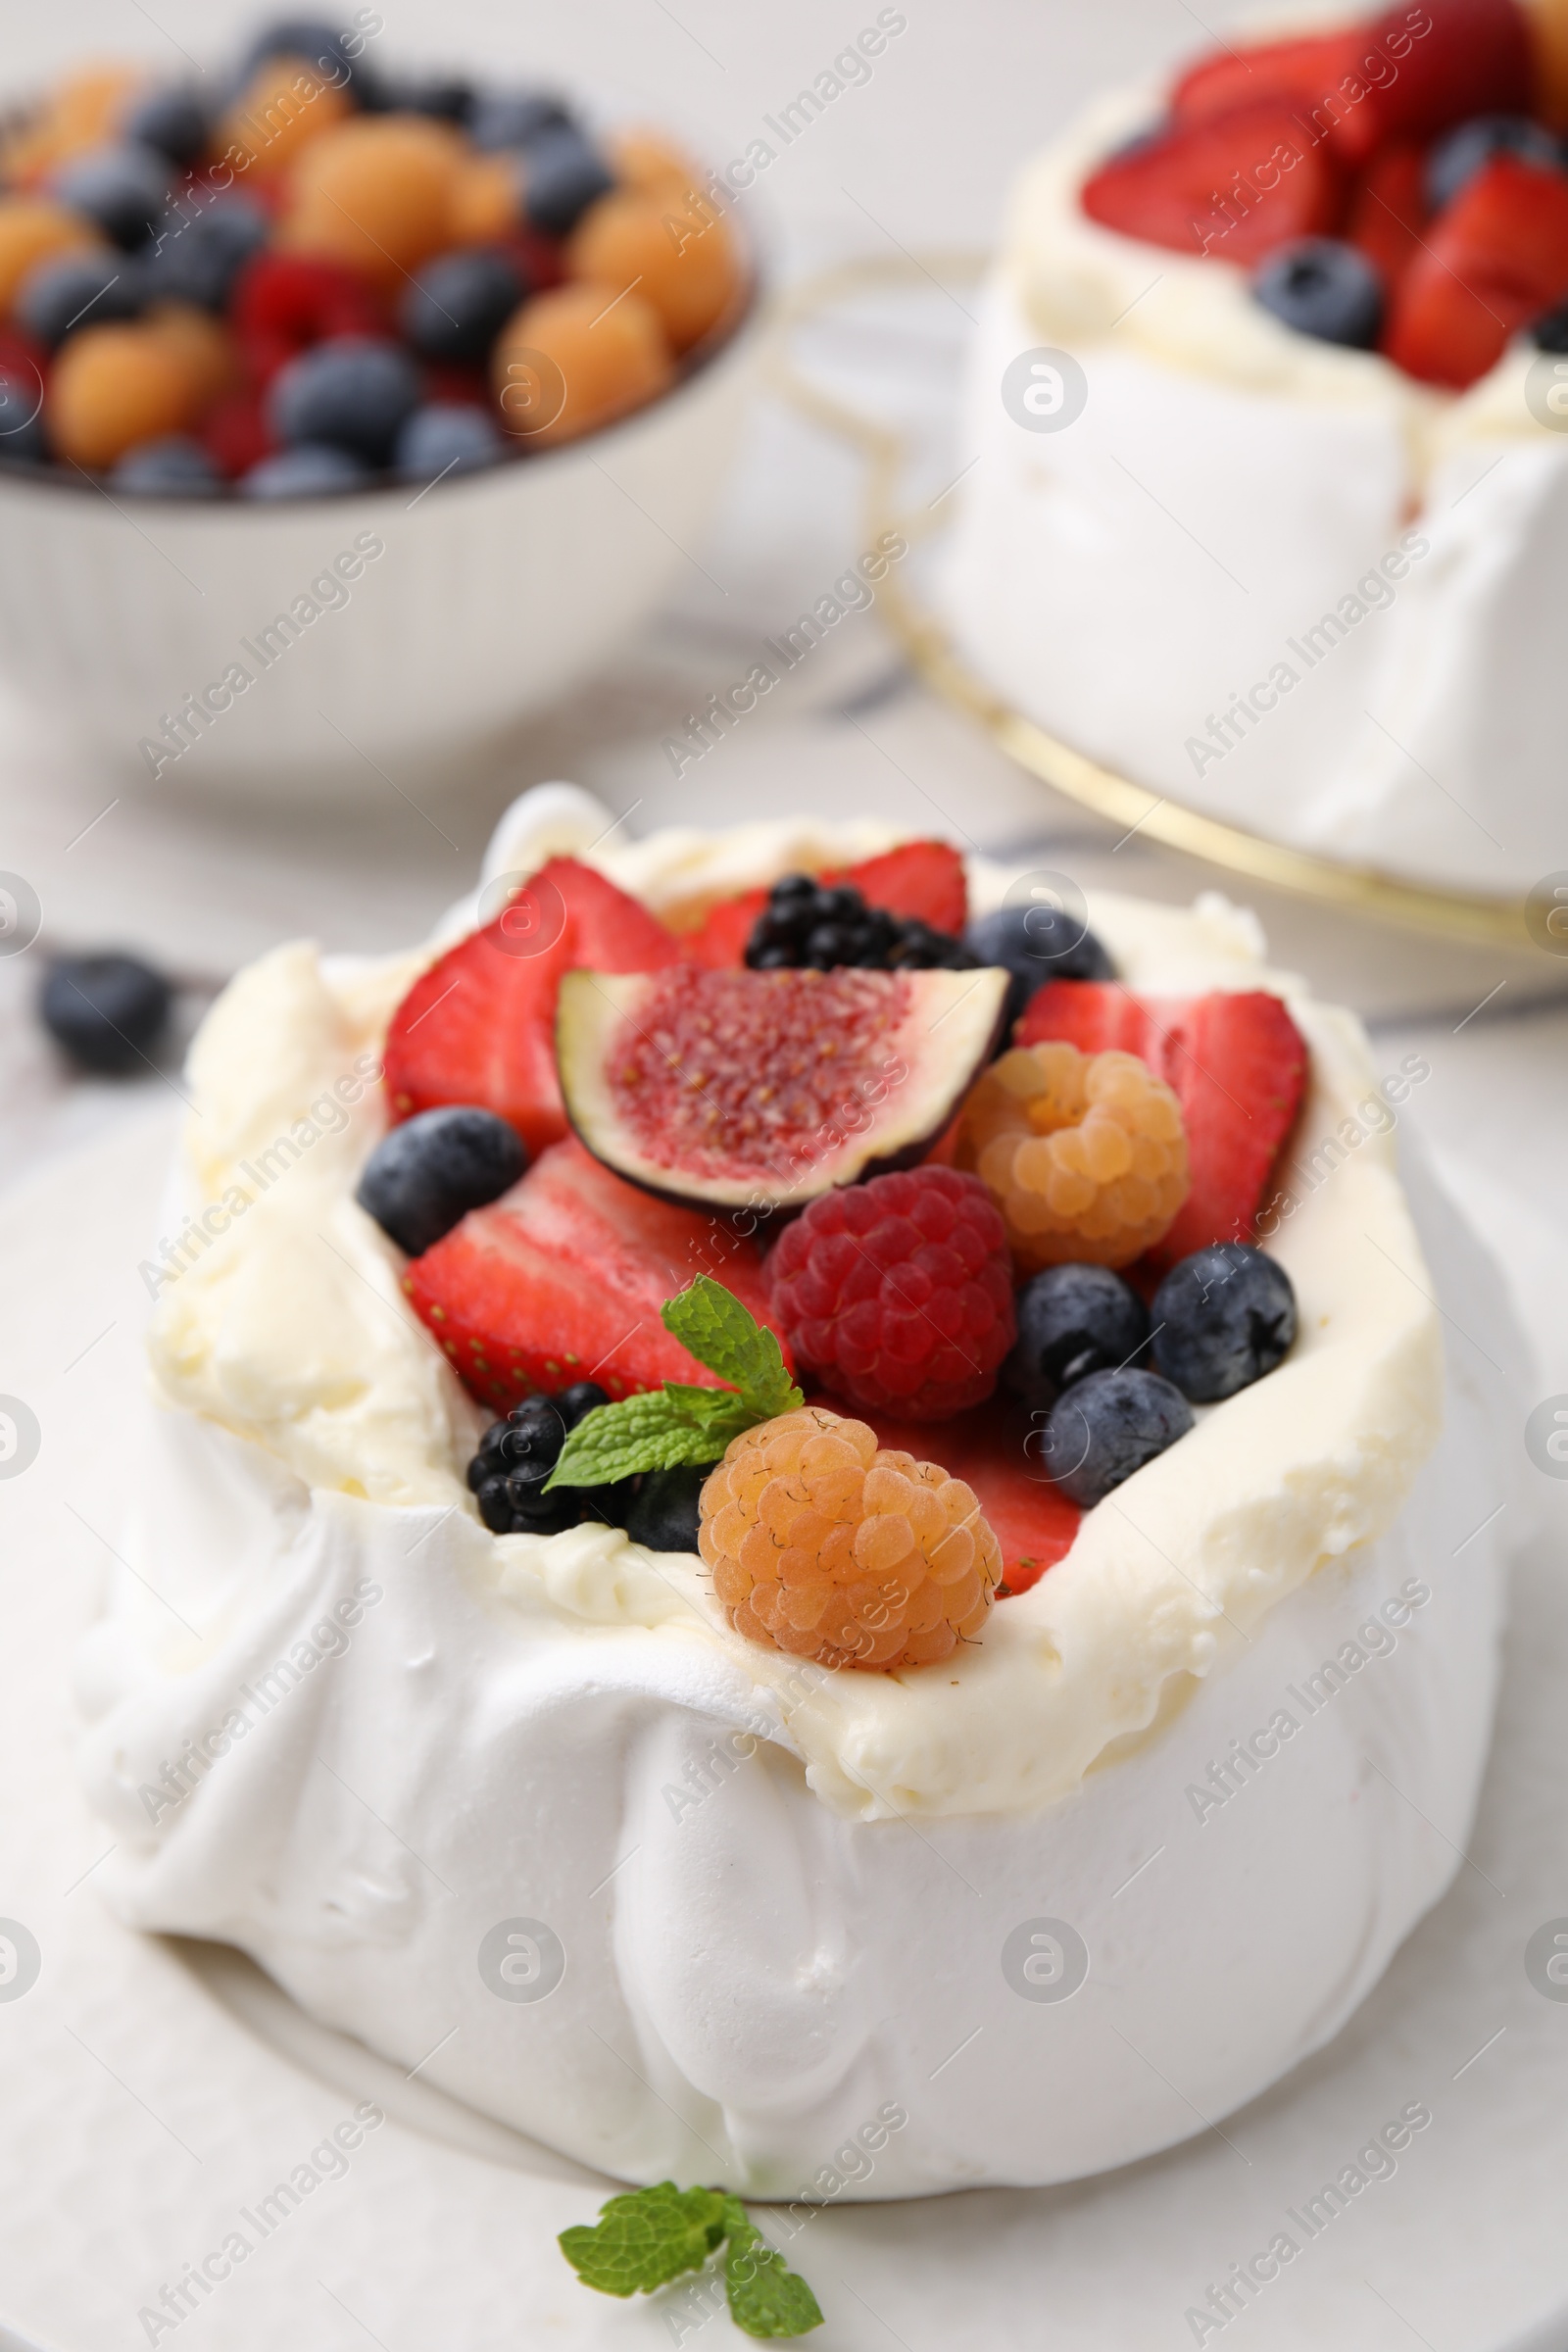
(646, 2239)
(679, 1423)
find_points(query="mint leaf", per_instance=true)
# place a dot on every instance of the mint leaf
(766, 2297)
(682, 1422)
(646, 2239)
(721, 1333)
(657, 1432)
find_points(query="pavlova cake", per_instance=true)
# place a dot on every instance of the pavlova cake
(1273, 438)
(800, 1527)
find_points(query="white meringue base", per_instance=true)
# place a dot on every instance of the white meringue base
(474, 1733)
(1133, 577)
(751, 1979)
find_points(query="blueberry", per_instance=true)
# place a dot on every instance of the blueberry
(1109, 1425)
(1072, 1320)
(174, 468)
(1460, 155)
(457, 306)
(106, 1012)
(198, 260)
(354, 392)
(1323, 288)
(516, 118)
(1222, 1318)
(562, 176)
(664, 1515)
(446, 97)
(445, 439)
(79, 289)
(174, 122)
(430, 1173)
(1550, 333)
(22, 438)
(313, 471)
(1035, 943)
(319, 45)
(122, 191)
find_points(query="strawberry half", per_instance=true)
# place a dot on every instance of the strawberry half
(1238, 1064)
(1233, 185)
(1031, 1519)
(1388, 210)
(1495, 259)
(1474, 58)
(563, 1279)
(1380, 81)
(1300, 72)
(480, 1026)
(919, 878)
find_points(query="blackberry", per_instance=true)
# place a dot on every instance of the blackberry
(828, 926)
(518, 1455)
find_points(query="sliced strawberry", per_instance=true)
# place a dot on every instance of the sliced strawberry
(480, 1026)
(919, 878)
(1495, 259)
(1031, 1519)
(562, 1280)
(1300, 72)
(1474, 58)
(720, 939)
(1383, 80)
(1388, 212)
(1235, 186)
(1238, 1064)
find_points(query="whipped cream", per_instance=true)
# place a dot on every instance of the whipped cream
(383, 1735)
(1129, 579)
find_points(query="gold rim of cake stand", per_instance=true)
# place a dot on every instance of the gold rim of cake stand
(1473, 918)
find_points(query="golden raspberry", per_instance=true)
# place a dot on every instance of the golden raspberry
(1084, 1154)
(831, 1547)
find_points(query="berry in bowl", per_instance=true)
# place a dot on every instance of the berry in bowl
(1295, 557)
(318, 334)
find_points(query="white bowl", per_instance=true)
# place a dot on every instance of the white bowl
(492, 594)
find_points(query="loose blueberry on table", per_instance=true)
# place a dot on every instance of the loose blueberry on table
(108, 1013)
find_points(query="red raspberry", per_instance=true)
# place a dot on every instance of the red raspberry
(899, 1293)
(292, 300)
(236, 434)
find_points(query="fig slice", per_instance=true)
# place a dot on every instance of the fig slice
(739, 1090)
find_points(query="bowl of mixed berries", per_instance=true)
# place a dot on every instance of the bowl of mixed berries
(315, 331)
